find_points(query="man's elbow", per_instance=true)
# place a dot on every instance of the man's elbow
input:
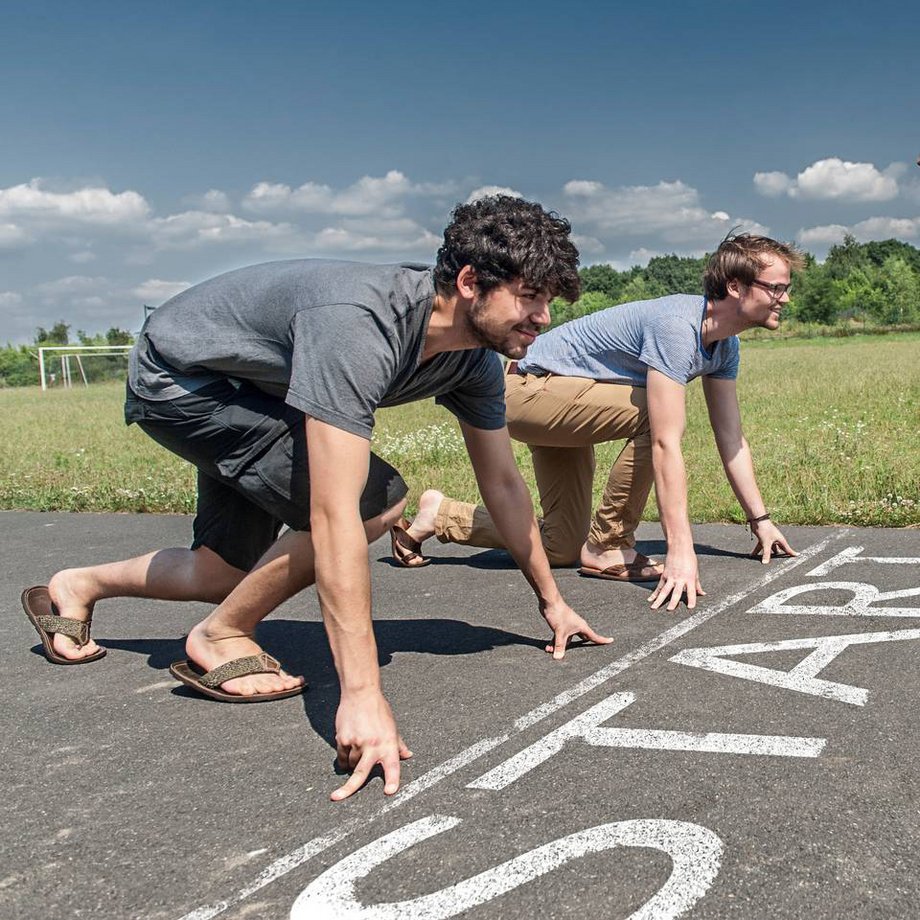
(664, 445)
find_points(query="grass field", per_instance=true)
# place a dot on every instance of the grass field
(833, 424)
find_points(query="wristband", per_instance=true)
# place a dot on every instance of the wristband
(756, 520)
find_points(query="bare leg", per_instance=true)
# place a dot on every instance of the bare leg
(169, 574)
(285, 569)
(423, 526)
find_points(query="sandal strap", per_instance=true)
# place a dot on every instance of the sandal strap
(412, 547)
(76, 629)
(240, 667)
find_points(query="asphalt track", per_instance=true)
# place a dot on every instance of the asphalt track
(663, 776)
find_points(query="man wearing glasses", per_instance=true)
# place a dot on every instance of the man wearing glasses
(622, 373)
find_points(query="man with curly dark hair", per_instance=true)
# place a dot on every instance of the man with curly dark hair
(621, 373)
(266, 379)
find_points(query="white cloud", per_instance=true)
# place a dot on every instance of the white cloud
(642, 256)
(213, 200)
(485, 191)
(91, 205)
(885, 228)
(10, 299)
(195, 228)
(12, 237)
(384, 196)
(671, 211)
(874, 228)
(155, 291)
(772, 184)
(71, 284)
(82, 257)
(399, 235)
(587, 245)
(833, 179)
(823, 235)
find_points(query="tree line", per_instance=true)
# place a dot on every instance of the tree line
(19, 364)
(876, 284)
(873, 284)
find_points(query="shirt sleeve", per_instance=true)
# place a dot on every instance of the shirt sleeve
(669, 345)
(341, 367)
(479, 400)
(731, 359)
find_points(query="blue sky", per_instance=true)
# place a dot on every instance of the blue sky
(146, 146)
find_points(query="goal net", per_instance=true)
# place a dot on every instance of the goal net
(80, 365)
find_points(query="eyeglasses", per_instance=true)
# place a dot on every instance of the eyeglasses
(776, 290)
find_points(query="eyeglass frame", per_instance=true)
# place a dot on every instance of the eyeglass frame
(776, 290)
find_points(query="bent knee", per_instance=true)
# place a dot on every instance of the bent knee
(562, 552)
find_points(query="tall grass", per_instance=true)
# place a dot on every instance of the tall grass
(833, 424)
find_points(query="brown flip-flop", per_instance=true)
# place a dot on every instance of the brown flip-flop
(44, 616)
(406, 551)
(640, 569)
(208, 683)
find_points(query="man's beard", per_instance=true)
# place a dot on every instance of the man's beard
(487, 335)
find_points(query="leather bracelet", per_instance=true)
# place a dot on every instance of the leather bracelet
(752, 521)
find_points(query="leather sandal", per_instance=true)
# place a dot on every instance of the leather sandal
(43, 615)
(406, 551)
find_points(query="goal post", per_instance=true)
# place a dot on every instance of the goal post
(66, 356)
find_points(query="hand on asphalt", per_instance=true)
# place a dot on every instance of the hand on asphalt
(770, 542)
(681, 575)
(365, 735)
(565, 623)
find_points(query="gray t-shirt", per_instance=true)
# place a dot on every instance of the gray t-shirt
(620, 344)
(334, 339)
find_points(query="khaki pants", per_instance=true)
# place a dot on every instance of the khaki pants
(561, 419)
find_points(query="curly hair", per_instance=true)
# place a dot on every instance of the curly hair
(740, 257)
(505, 238)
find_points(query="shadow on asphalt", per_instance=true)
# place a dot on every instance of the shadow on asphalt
(498, 559)
(303, 648)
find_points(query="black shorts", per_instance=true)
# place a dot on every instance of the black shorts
(250, 449)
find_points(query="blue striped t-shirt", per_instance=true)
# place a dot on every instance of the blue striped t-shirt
(620, 344)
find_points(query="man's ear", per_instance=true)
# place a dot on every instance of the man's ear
(466, 282)
(733, 286)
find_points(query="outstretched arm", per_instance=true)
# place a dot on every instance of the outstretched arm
(365, 731)
(667, 416)
(725, 418)
(506, 496)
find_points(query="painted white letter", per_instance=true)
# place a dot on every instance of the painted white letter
(851, 554)
(803, 677)
(586, 728)
(858, 606)
(695, 852)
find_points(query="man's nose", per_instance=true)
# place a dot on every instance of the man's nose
(542, 317)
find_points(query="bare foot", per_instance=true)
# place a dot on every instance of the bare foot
(423, 526)
(208, 647)
(596, 557)
(71, 592)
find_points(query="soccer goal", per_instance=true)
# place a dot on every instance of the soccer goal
(63, 365)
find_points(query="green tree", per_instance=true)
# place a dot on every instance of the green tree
(899, 288)
(603, 278)
(637, 288)
(814, 295)
(675, 274)
(59, 334)
(589, 302)
(845, 258)
(18, 367)
(859, 293)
